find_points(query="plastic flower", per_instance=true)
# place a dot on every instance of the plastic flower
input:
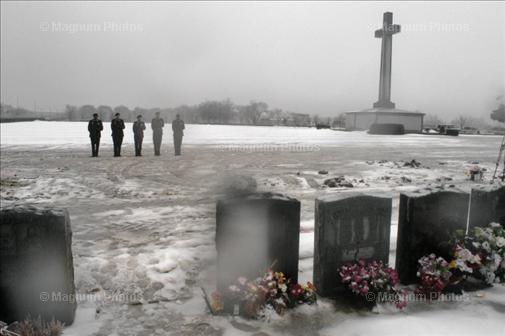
(462, 266)
(271, 293)
(481, 253)
(452, 264)
(463, 253)
(435, 275)
(296, 290)
(311, 287)
(217, 302)
(362, 278)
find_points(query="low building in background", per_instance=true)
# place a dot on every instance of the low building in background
(363, 120)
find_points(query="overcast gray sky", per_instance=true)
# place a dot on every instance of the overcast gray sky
(308, 57)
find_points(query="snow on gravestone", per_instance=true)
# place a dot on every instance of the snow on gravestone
(487, 206)
(254, 231)
(36, 267)
(348, 227)
(426, 224)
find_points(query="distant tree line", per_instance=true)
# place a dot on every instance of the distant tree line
(335, 122)
(8, 111)
(208, 112)
(463, 122)
(499, 113)
(226, 112)
(14, 113)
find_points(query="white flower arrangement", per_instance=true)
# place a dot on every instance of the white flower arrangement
(487, 249)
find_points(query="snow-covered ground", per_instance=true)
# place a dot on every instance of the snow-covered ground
(143, 239)
(66, 133)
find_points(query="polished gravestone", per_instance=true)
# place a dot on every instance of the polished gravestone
(255, 232)
(348, 227)
(487, 206)
(426, 224)
(36, 266)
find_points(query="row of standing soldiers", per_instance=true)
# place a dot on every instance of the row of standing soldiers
(117, 125)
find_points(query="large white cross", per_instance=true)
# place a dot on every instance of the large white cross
(386, 34)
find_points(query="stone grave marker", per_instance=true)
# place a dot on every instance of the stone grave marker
(348, 227)
(253, 232)
(426, 223)
(36, 266)
(487, 206)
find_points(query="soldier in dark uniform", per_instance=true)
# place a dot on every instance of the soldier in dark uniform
(178, 129)
(138, 135)
(95, 128)
(117, 126)
(157, 125)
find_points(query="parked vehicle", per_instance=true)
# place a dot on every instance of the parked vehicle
(322, 126)
(469, 130)
(448, 130)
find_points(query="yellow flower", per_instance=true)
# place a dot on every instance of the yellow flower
(217, 302)
(452, 264)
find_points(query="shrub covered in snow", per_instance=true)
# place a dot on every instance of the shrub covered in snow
(34, 327)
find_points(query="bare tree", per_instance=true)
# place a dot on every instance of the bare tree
(125, 112)
(253, 111)
(220, 112)
(339, 121)
(71, 112)
(462, 120)
(105, 112)
(433, 120)
(85, 112)
(499, 113)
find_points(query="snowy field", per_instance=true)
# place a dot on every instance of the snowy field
(143, 228)
(75, 133)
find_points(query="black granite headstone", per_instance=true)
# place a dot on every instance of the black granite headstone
(36, 266)
(487, 206)
(426, 224)
(255, 231)
(348, 227)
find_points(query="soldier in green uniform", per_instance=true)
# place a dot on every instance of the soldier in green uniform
(95, 128)
(178, 129)
(157, 125)
(117, 126)
(138, 135)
